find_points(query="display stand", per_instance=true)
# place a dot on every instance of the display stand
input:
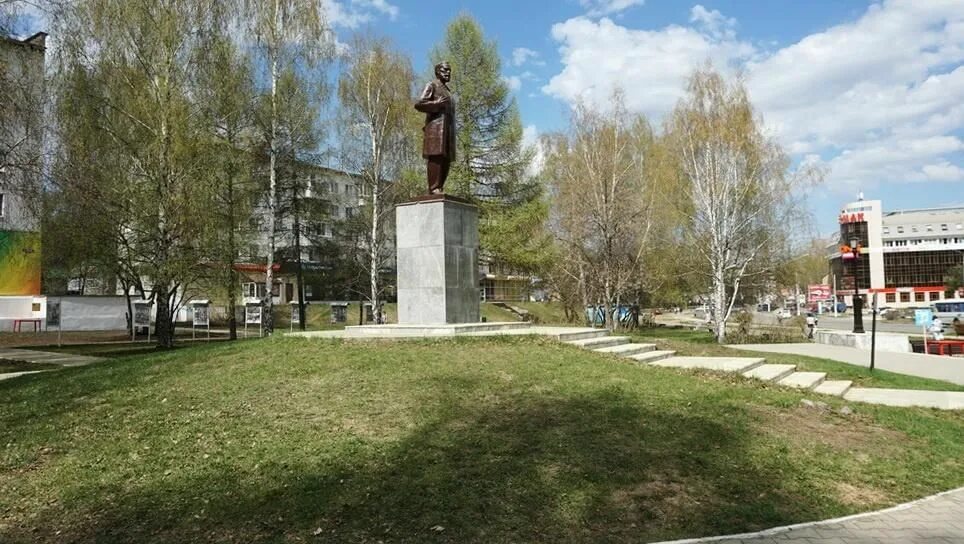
(253, 313)
(201, 317)
(142, 318)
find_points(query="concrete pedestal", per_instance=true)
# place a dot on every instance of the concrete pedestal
(437, 243)
(886, 341)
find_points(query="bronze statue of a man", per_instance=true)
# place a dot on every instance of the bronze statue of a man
(438, 145)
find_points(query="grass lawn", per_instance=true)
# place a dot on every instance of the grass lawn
(686, 341)
(466, 440)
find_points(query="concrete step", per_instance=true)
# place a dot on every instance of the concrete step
(583, 335)
(600, 342)
(626, 349)
(803, 380)
(837, 388)
(652, 356)
(770, 373)
(719, 364)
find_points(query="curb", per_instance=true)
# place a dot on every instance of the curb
(796, 526)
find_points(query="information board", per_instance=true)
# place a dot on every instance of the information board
(923, 318)
(202, 316)
(53, 313)
(142, 315)
(252, 314)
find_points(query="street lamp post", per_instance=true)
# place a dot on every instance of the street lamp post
(858, 299)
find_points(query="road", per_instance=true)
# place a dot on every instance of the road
(845, 322)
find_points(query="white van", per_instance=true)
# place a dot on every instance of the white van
(949, 310)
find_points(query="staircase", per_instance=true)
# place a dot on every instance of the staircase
(750, 367)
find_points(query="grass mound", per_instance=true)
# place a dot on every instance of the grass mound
(468, 440)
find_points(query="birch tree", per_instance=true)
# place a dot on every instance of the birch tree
(736, 191)
(292, 39)
(225, 92)
(127, 116)
(603, 201)
(376, 93)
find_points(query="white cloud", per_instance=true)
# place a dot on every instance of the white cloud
(651, 66)
(381, 6)
(357, 12)
(521, 55)
(514, 82)
(597, 8)
(713, 22)
(879, 99)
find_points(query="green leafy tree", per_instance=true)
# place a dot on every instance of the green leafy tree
(292, 39)
(736, 193)
(226, 95)
(127, 104)
(375, 93)
(604, 202)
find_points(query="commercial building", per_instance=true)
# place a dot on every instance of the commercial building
(21, 103)
(902, 255)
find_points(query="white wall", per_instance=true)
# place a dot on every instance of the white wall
(77, 313)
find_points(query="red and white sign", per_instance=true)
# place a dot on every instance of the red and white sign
(852, 218)
(818, 292)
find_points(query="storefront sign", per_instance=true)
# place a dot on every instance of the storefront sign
(852, 218)
(818, 292)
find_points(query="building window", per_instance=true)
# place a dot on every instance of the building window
(930, 228)
(308, 293)
(944, 227)
(919, 297)
(1, 204)
(900, 230)
(891, 297)
(913, 228)
(886, 230)
(905, 297)
(252, 290)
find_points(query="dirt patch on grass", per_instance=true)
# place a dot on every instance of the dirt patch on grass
(859, 495)
(805, 426)
(664, 496)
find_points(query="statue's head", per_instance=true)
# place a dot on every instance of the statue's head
(443, 72)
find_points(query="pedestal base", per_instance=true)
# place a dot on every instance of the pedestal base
(437, 243)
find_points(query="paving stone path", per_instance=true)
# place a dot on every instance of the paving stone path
(785, 375)
(30, 356)
(934, 520)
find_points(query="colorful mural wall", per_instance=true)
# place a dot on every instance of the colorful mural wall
(19, 263)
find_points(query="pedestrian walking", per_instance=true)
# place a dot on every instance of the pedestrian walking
(811, 325)
(937, 328)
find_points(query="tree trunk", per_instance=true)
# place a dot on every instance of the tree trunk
(164, 322)
(719, 307)
(267, 319)
(374, 255)
(298, 271)
(232, 252)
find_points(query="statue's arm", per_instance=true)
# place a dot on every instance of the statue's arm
(427, 103)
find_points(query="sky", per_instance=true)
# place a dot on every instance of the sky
(872, 92)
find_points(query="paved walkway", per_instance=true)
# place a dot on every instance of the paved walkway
(934, 520)
(48, 357)
(938, 367)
